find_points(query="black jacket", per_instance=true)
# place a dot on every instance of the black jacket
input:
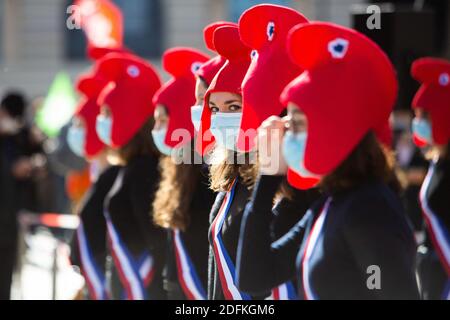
(129, 207)
(15, 194)
(194, 239)
(363, 227)
(92, 230)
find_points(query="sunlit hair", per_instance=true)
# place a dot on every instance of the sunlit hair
(432, 152)
(228, 165)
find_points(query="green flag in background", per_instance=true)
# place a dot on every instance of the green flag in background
(58, 106)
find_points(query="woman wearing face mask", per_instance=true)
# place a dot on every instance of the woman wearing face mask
(89, 243)
(264, 28)
(354, 242)
(431, 127)
(205, 74)
(183, 199)
(137, 246)
(220, 125)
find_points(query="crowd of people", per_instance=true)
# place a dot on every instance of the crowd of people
(272, 170)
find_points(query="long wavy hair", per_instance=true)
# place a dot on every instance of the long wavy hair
(175, 192)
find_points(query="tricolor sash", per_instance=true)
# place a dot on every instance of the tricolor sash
(316, 230)
(146, 269)
(225, 266)
(135, 276)
(187, 273)
(95, 278)
(438, 231)
(286, 291)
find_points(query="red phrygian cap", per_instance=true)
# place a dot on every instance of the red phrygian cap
(229, 78)
(90, 86)
(210, 68)
(434, 95)
(129, 93)
(178, 94)
(264, 28)
(348, 88)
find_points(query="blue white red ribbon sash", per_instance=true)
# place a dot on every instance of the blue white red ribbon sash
(146, 269)
(310, 245)
(225, 266)
(438, 232)
(132, 275)
(187, 273)
(95, 279)
(286, 291)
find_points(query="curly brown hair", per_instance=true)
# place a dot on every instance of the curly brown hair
(175, 191)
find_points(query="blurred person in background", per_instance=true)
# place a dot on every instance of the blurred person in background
(89, 249)
(19, 163)
(136, 244)
(412, 168)
(431, 128)
(52, 194)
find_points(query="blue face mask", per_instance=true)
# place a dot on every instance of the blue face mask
(225, 128)
(422, 129)
(196, 116)
(294, 145)
(76, 139)
(103, 126)
(158, 138)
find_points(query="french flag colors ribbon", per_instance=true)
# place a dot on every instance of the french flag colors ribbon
(133, 276)
(286, 291)
(438, 231)
(146, 269)
(316, 230)
(224, 264)
(95, 279)
(439, 234)
(187, 274)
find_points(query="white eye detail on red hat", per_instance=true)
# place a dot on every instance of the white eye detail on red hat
(444, 79)
(254, 54)
(270, 30)
(133, 71)
(338, 48)
(195, 66)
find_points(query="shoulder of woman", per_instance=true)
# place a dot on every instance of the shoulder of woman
(371, 205)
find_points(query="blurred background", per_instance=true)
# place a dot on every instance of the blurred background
(40, 59)
(35, 43)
